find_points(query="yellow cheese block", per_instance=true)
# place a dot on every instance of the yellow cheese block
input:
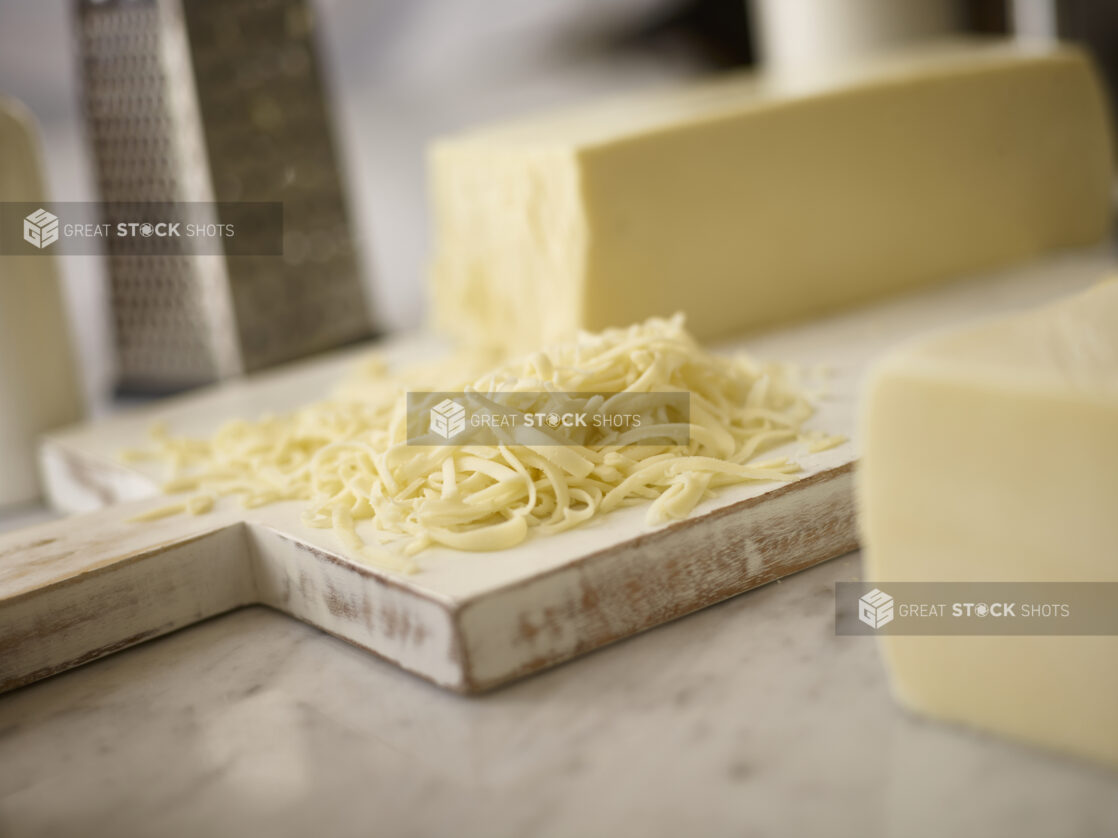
(992, 455)
(746, 201)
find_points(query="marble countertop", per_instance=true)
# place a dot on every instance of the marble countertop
(749, 718)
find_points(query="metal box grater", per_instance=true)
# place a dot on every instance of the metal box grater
(208, 101)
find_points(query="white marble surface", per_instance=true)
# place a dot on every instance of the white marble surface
(750, 718)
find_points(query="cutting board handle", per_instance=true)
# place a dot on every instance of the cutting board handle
(80, 588)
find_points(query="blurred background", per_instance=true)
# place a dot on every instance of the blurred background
(399, 72)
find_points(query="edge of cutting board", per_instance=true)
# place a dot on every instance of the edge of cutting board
(77, 589)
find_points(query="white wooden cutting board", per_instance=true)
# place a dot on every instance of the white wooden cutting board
(83, 587)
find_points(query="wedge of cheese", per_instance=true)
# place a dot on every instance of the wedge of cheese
(746, 201)
(992, 455)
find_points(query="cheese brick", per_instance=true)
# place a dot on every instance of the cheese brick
(746, 201)
(991, 455)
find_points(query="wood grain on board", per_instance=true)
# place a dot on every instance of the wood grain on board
(85, 586)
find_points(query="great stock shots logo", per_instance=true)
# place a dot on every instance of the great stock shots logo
(945, 608)
(448, 418)
(875, 609)
(40, 228)
(145, 228)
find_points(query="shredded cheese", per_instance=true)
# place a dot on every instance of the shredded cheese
(348, 461)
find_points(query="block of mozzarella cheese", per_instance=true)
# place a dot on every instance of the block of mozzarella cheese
(992, 455)
(747, 201)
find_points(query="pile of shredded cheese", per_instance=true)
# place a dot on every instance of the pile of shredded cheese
(347, 458)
